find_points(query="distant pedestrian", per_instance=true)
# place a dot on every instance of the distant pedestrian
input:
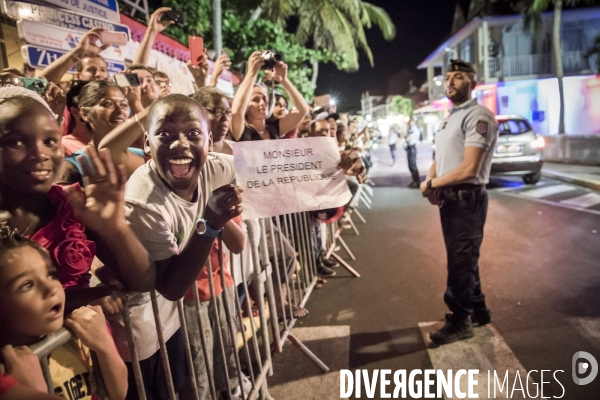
(456, 183)
(412, 138)
(392, 142)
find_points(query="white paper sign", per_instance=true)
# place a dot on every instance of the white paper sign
(288, 176)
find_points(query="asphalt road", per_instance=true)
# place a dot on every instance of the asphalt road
(540, 270)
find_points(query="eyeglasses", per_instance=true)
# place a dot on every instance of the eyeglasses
(219, 113)
(164, 83)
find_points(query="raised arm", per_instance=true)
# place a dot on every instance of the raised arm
(87, 45)
(119, 139)
(242, 97)
(155, 26)
(102, 210)
(223, 63)
(291, 120)
(175, 275)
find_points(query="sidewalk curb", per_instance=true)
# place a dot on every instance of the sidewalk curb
(588, 183)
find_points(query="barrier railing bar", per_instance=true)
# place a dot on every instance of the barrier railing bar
(260, 297)
(300, 248)
(209, 372)
(290, 236)
(252, 327)
(306, 252)
(312, 262)
(277, 273)
(259, 387)
(334, 236)
(100, 385)
(288, 296)
(215, 305)
(186, 340)
(269, 287)
(163, 347)
(308, 353)
(135, 360)
(230, 321)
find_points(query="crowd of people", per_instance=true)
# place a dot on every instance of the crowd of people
(128, 187)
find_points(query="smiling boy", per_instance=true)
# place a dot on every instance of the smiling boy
(177, 203)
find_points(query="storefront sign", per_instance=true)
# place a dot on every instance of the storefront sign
(19, 10)
(40, 58)
(288, 176)
(58, 38)
(105, 9)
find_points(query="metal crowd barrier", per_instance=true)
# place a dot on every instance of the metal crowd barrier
(283, 287)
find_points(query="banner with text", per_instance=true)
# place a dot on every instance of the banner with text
(288, 176)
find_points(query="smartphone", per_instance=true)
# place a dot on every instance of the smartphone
(126, 80)
(36, 84)
(196, 50)
(110, 37)
(175, 16)
(323, 101)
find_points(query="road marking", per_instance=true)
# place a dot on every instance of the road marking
(584, 201)
(486, 351)
(548, 191)
(551, 203)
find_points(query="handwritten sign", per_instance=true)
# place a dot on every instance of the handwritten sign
(288, 176)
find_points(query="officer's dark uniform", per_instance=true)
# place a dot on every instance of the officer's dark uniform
(463, 207)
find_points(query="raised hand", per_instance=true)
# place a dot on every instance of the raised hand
(222, 64)
(56, 98)
(199, 72)
(101, 207)
(87, 44)
(352, 165)
(280, 72)
(255, 63)
(223, 204)
(155, 20)
(89, 325)
(24, 366)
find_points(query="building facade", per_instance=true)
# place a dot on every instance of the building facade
(516, 69)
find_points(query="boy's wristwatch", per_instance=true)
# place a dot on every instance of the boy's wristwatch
(203, 228)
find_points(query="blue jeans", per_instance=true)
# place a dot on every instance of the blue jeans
(463, 215)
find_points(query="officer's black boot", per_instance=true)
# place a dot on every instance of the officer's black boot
(481, 314)
(454, 330)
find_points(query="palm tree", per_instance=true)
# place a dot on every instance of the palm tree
(533, 9)
(334, 25)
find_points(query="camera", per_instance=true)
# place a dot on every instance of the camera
(270, 57)
(36, 84)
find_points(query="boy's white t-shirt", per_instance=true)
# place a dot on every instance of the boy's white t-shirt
(163, 222)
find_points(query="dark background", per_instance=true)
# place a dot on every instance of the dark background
(421, 26)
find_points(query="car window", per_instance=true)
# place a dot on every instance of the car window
(512, 127)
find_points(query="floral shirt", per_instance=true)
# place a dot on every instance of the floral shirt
(64, 238)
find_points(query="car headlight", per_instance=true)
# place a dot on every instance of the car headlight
(538, 143)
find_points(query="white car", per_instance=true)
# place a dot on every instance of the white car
(519, 149)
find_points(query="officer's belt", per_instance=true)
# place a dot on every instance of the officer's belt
(457, 192)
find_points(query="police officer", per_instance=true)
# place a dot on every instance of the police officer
(456, 183)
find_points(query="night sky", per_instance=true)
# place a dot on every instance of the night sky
(421, 26)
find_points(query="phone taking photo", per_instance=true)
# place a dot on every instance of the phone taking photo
(126, 80)
(116, 38)
(175, 16)
(196, 50)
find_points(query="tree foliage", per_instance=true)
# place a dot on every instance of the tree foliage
(402, 105)
(242, 35)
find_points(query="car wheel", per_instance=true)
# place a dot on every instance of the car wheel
(532, 179)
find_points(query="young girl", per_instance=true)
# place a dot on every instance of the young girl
(32, 303)
(60, 220)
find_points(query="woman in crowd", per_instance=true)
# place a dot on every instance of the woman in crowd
(72, 230)
(280, 110)
(103, 107)
(251, 105)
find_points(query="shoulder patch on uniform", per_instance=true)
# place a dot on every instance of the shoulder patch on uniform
(481, 127)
